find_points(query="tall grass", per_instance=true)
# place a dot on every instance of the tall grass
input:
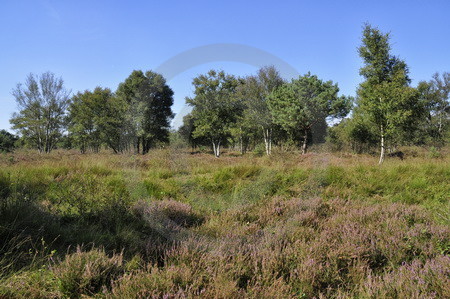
(172, 224)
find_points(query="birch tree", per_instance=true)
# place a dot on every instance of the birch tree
(385, 96)
(214, 107)
(42, 101)
(255, 92)
(440, 108)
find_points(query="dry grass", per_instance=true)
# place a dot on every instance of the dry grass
(188, 225)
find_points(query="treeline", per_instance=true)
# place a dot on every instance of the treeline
(387, 112)
(260, 109)
(243, 113)
(134, 118)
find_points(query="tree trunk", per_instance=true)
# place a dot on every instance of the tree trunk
(138, 146)
(268, 141)
(305, 142)
(382, 153)
(145, 146)
(241, 145)
(216, 148)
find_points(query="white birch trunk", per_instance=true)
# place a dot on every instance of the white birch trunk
(382, 153)
(267, 141)
(305, 142)
(216, 149)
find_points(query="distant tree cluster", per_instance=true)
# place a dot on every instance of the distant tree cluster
(135, 118)
(257, 111)
(7, 141)
(244, 111)
(389, 112)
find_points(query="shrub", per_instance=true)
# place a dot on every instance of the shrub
(31, 284)
(87, 273)
(231, 227)
(7, 141)
(168, 213)
(434, 153)
(417, 279)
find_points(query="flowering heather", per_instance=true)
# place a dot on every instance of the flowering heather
(177, 226)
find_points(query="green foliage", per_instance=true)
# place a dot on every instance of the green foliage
(256, 117)
(96, 118)
(191, 225)
(385, 97)
(435, 96)
(43, 102)
(7, 141)
(299, 105)
(355, 134)
(149, 100)
(214, 107)
(186, 132)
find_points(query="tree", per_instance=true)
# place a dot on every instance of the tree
(42, 103)
(96, 117)
(441, 107)
(186, 132)
(435, 97)
(84, 111)
(7, 141)
(255, 92)
(385, 96)
(302, 103)
(149, 101)
(111, 124)
(356, 134)
(214, 107)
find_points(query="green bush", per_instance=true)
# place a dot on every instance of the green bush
(7, 141)
(87, 273)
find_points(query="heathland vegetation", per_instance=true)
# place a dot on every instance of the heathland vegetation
(173, 224)
(100, 198)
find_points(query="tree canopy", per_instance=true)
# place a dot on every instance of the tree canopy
(149, 100)
(214, 107)
(42, 101)
(97, 118)
(385, 96)
(254, 93)
(254, 112)
(305, 101)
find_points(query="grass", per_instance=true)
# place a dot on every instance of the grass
(172, 224)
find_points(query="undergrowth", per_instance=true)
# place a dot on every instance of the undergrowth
(171, 224)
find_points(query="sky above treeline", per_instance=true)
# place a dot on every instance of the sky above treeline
(99, 43)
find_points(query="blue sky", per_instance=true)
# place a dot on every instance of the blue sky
(99, 43)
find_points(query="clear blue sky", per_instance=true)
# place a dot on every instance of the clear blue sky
(99, 43)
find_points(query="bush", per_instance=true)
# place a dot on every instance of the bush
(7, 141)
(40, 283)
(417, 279)
(276, 227)
(434, 153)
(87, 273)
(168, 213)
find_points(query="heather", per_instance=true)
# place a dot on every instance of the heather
(175, 224)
